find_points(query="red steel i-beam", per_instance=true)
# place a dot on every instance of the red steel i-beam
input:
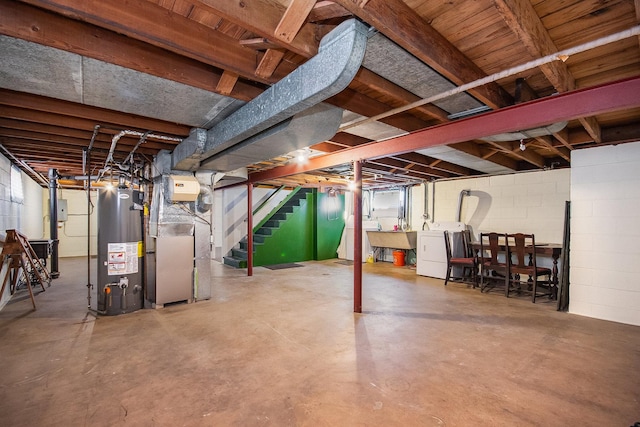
(609, 97)
(249, 229)
(357, 238)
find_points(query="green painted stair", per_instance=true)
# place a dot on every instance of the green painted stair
(267, 227)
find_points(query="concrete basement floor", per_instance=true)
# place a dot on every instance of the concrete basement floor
(283, 348)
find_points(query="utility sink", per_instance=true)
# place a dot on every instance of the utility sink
(393, 239)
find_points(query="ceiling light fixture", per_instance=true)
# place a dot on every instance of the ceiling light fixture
(302, 156)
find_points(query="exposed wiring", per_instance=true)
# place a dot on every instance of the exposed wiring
(195, 215)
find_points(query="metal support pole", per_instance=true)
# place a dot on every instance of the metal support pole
(249, 229)
(357, 237)
(87, 156)
(53, 221)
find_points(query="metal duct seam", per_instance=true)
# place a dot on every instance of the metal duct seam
(338, 60)
(310, 126)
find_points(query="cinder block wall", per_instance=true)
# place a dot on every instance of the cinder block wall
(528, 202)
(605, 230)
(72, 233)
(25, 216)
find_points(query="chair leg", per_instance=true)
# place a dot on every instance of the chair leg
(535, 288)
(446, 280)
(474, 276)
(507, 283)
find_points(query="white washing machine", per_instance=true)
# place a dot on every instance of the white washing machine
(431, 252)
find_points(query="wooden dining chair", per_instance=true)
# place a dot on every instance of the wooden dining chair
(524, 272)
(489, 264)
(467, 262)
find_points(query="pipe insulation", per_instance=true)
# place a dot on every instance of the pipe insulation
(329, 72)
(562, 55)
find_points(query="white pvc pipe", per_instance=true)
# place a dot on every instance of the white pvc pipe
(561, 56)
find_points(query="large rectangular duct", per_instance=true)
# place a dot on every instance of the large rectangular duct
(313, 125)
(339, 57)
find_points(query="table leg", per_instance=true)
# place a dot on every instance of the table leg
(554, 275)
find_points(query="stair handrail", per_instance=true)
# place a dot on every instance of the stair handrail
(265, 201)
(277, 208)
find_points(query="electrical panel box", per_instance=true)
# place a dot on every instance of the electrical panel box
(183, 188)
(62, 209)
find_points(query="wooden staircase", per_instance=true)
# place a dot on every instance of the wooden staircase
(238, 256)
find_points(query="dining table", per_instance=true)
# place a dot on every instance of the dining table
(553, 250)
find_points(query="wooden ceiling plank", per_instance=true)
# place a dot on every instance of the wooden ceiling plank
(325, 10)
(522, 18)
(327, 147)
(404, 26)
(152, 24)
(293, 19)
(262, 18)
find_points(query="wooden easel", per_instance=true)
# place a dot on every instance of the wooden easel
(16, 249)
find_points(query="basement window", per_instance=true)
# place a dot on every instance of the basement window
(17, 193)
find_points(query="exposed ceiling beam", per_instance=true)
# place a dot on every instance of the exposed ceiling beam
(226, 83)
(421, 159)
(523, 20)
(293, 19)
(563, 152)
(257, 15)
(104, 134)
(419, 170)
(269, 62)
(262, 19)
(637, 5)
(609, 97)
(50, 29)
(148, 22)
(324, 10)
(404, 26)
(96, 114)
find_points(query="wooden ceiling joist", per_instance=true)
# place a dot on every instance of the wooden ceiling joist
(405, 27)
(568, 106)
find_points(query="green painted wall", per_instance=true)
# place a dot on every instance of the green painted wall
(329, 225)
(312, 231)
(293, 241)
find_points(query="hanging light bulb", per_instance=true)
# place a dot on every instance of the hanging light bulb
(522, 146)
(302, 156)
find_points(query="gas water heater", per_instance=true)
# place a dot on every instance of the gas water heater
(120, 250)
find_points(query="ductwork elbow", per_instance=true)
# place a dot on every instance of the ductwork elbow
(329, 72)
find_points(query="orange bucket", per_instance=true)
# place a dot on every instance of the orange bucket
(398, 258)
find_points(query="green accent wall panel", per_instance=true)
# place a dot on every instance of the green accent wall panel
(311, 232)
(293, 241)
(329, 225)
